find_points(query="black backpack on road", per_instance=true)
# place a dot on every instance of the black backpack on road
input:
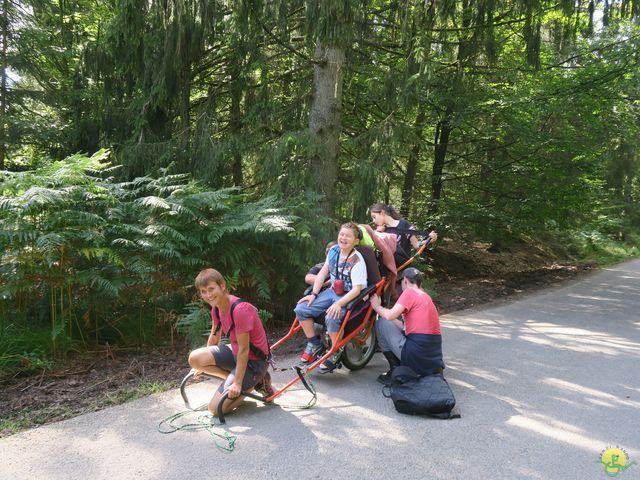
(415, 395)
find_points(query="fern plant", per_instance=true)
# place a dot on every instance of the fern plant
(93, 259)
(195, 323)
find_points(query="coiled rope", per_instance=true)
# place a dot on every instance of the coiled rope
(203, 421)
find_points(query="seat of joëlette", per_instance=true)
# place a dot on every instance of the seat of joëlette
(370, 260)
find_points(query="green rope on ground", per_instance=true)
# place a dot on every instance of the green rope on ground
(203, 422)
(208, 421)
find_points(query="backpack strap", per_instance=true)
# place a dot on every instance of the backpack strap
(233, 323)
(403, 374)
(255, 350)
(407, 231)
(219, 324)
(444, 416)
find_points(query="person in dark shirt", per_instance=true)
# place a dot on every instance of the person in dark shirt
(386, 219)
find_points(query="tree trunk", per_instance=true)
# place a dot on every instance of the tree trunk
(3, 82)
(412, 166)
(324, 123)
(443, 131)
(183, 24)
(628, 194)
(236, 121)
(185, 105)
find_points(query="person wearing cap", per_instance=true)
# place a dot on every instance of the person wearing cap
(415, 342)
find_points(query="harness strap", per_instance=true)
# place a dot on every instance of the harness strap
(340, 275)
(308, 385)
(407, 231)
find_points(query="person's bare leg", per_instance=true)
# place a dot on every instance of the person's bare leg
(203, 360)
(307, 328)
(228, 406)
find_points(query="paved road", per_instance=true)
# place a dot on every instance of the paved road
(543, 385)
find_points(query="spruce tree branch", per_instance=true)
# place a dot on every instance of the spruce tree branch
(491, 70)
(494, 24)
(452, 178)
(470, 155)
(382, 47)
(515, 196)
(592, 50)
(282, 44)
(593, 82)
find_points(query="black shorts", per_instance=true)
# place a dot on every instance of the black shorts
(256, 369)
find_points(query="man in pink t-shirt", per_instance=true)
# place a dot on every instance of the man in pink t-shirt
(416, 342)
(243, 365)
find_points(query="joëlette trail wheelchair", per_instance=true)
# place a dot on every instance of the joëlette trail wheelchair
(356, 337)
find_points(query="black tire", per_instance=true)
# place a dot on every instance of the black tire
(359, 351)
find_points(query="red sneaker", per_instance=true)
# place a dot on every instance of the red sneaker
(311, 352)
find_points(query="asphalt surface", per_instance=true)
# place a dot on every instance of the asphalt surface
(544, 385)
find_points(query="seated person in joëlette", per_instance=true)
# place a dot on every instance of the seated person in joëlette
(348, 274)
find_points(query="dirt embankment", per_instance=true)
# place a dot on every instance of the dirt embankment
(467, 276)
(463, 276)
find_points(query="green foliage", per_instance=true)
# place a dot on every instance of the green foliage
(330, 21)
(265, 316)
(142, 390)
(23, 349)
(95, 259)
(9, 426)
(512, 115)
(195, 323)
(605, 241)
(492, 120)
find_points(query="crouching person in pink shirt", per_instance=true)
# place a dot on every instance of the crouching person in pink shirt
(244, 362)
(415, 342)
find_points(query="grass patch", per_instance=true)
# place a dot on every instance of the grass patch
(52, 414)
(33, 418)
(25, 419)
(9, 426)
(602, 250)
(128, 394)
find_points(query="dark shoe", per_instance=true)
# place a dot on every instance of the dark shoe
(392, 359)
(385, 378)
(264, 387)
(331, 363)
